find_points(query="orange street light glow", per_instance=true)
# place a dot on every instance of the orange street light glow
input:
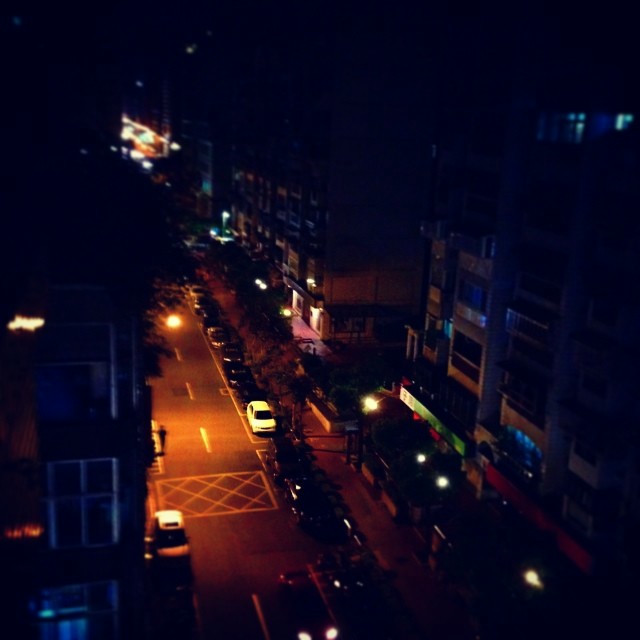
(173, 321)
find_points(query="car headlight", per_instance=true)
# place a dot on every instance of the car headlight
(331, 633)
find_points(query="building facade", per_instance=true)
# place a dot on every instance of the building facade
(512, 365)
(74, 473)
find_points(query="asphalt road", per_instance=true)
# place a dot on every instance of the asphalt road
(241, 533)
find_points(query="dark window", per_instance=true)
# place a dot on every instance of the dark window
(545, 290)
(467, 348)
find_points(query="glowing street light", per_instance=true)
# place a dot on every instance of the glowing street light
(421, 458)
(370, 403)
(532, 578)
(174, 321)
(287, 313)
(442, 482)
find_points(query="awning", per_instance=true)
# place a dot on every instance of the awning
(459, 443)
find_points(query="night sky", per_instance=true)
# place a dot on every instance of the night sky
(57, 65)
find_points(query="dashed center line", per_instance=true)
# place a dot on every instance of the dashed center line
(205, 439)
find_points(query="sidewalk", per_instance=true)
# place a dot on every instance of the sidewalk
(399, 548)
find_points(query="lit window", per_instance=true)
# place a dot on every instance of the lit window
(77, 611)
(561, 127)
(623, 121)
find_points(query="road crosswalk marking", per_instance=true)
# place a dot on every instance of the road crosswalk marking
(217, 494)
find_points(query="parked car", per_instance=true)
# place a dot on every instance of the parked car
(218, 336)
(207, 309)
(260, 417)
(198, 290)
(315, 509)
(285, 459)
(169, 536)
(237, 374)
(232, 352)
(210, 322)
(306, 608)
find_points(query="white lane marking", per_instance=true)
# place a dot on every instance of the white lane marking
(178, 356)
(190, 391)
(263, 622)
(205, 439)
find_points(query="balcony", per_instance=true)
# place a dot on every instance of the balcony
(480, 246)
(524, 391)
(530, 322)
(439, 302)
(436, 347)
(464, 366)
(474, 316)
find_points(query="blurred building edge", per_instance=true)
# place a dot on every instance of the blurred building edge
(74, 424)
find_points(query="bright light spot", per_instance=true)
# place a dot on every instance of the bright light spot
(531, 577)
(113, 148)
(311, 282)
(421, 458)
(442, 482)
(139, 83)
(370, 404)
(226, 215)
(146, 164)
(84, 152)
(174, 146)
(331, 633)
(258, 281)
(136, 155)
(26, 323)
(337, 584)
(286, 313)
(174, 321)
(191, 48)
(18, 532)
(167, 184)
(262, 285)
(124, 150)
(127, 133)
(303, 635)
(46, 613)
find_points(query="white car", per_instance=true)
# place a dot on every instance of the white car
(260, 417)
(169, 537)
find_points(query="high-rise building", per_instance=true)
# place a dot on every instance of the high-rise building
(521, 356)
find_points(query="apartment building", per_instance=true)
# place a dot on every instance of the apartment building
(511, 363)
(334, 190)
(75, 446)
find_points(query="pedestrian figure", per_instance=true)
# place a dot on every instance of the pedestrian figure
(162, 434)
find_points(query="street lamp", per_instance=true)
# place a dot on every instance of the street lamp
(225, 216)
(421, 458)
(442, 482)
(174, 321)
(370, 403)
(532, 578)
